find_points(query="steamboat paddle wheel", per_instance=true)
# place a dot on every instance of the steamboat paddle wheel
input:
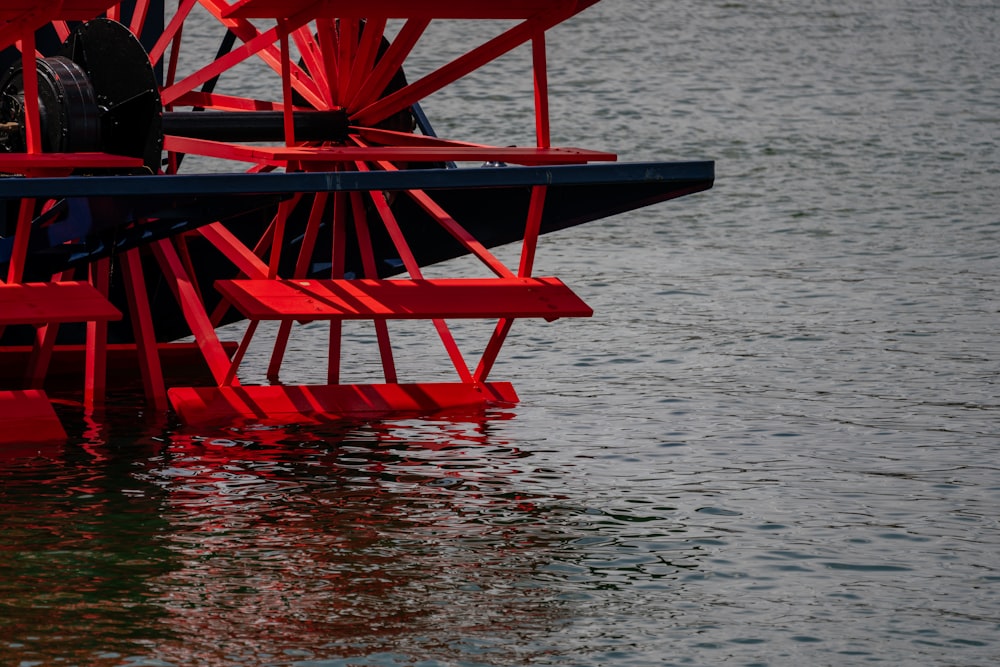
(120, 261)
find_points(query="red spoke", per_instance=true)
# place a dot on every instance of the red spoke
(311, 57)
(337, 254)
(142, 325)
(241, 351)
(171, 33)
(541, 90)
(139, 13)
(367, 52)
(254, 43)
(15, 267)
(327, 34)
(493, 349)
(451, 226)
(413, 268)
(371, 271)
(226, 102)
(62, 30)
(389, 64)
(455, 70)
(531, 230)
(95, 365)
(278, 352)
(300, 271)
(193, 308)
(347, 42)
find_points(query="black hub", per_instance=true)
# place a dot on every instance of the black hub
(125, 87)
(99, 94)
(67, 108)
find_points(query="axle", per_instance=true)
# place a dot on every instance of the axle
(251, 126)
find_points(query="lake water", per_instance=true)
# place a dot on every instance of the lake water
(775, 443)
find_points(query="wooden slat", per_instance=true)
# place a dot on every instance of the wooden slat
(71, 10)
(306, 404)
(28, 417)
(64, 163)
(278, 155)
(290, 300)
(51, 303)
(18, 17)
(400, 9)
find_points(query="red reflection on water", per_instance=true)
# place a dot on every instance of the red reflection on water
(243, 544)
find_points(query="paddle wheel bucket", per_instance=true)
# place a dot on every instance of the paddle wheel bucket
(335, 195)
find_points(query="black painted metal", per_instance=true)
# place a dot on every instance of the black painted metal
(125, 87)
(250, 126)
(68, 111)
(415, 179)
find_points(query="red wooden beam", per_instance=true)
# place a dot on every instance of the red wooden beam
(63, 164)
(19, 16)
(398, 9)
(51, 303)
(28, 416)
(279, 155)
(311, 404)
(183, 288)
(445, 298)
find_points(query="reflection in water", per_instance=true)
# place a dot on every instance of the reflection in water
(80, 541)
(275, 545)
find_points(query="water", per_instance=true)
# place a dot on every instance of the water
(775, 443)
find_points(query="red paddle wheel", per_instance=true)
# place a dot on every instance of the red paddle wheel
(333, 193)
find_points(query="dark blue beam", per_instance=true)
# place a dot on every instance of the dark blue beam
(665, 173)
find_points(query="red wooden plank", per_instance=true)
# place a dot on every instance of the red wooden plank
(298, 404)
(27, 416)
(63, 163)
(51, 303)
(71, 10)
(346, 154)
(19, 19)
(397, 9)
(451, 298)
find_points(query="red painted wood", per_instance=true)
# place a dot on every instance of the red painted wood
(19, 19)
(398, 9)
(255, 43)
(394, 57)
(78, 10)
(95, 375)
(41, 303)
(447, 298)
(291, 404)
(29, 77)
(22, 234)
(28, 417)
(193, 308)
(142, 325)
(57, 164)
(67, 10)
(540, 71)
(279, 155)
